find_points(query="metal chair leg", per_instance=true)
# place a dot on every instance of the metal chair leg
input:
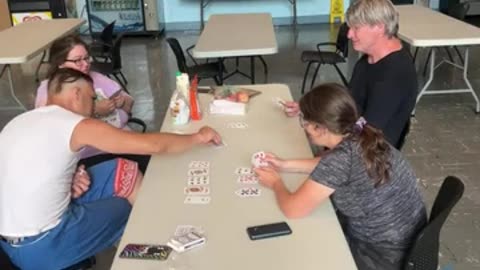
(314, 76)
(459, 54)
(449, 54)
(123, 77)
(415, 54)
(344, 80)
(426, 62)
(305, 77)
(265, 68)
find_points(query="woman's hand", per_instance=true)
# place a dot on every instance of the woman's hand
(291, 108)
(119, 101)
(267, 176)
(104, 107)
(81, 182)
(274, 161)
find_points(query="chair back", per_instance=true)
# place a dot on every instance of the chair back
(178, 51)
(342, 40)
(459, 11)
(424, 252)
(106, 37)
(116, 53)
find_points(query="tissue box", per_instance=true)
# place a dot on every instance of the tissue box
(223, 106)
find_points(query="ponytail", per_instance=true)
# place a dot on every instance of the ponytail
(375, 153)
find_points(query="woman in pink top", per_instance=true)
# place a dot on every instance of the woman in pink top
(113, 104)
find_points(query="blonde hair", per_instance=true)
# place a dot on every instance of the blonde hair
(373, 12)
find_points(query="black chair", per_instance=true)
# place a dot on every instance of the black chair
(424, 253)
(113, 67)
(6, 264)
(101, 45)
(322, 57)
(113, 64)
(212, 70)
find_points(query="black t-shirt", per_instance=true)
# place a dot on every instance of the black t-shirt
(385, 92)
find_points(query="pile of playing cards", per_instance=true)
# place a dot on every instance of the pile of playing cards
(189, 239)
(246, 176)
(258, 159)
(237, 125)
(197, 183)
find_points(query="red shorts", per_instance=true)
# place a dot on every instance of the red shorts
(125, 177)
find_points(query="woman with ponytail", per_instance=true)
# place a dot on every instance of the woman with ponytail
(371, 185)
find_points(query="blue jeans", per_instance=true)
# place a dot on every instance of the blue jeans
(92, 223)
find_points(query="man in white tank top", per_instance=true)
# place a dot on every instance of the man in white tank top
(52, 213)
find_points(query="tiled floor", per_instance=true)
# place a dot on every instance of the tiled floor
(444, 139)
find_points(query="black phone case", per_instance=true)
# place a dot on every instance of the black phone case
(268, 230)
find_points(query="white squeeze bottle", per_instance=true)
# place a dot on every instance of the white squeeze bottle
(179, 105)
(183, 84)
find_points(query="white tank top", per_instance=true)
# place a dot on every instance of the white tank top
(36, 170)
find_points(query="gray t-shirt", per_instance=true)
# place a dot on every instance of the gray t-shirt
(389, 215)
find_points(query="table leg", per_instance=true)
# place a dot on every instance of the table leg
(201, 15)
(220, 70)
(429, 81)
(12, 89)
(465, 71)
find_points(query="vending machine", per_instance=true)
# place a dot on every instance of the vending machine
(130, 16)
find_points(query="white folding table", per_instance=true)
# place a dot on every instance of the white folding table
(423, 27)
(317, 241)
(24, 41)
(238, 35)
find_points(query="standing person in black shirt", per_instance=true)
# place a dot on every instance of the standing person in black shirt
(384, 80)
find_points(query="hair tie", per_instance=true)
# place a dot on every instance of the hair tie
(361, 122)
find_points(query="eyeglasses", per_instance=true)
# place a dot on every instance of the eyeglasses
(78, 62)
(302, 121)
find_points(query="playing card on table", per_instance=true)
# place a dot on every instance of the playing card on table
(248, 192)
(199, 164)
(247, 179)
(198, 180)
(244, 170)
(197, 200)
(184, 229)
(237, 125)
(198, 172)
(280, 103)
(258, 159)
(197, 190)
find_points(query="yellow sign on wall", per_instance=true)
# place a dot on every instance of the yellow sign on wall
(30, 16)
(336, 11)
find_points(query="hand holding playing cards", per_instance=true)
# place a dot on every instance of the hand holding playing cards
(119, 100)
(104, 107)
(274, 161)
(267, 176)
(209, 135)
(81, 182)
(291, 108)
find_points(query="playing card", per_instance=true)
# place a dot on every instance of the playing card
(247, 179)
(221, 145)
(198, 180)
(258, 159)
(199, 164)
(280, 103)
(248, 192)
(237, 125)
(244, 170)
(184, 229)
(197, 200)
(198, 172)
(197, 190)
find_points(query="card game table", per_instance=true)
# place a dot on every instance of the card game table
(316, 242)
(21, 43)
(424, 27)
(238, 35)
